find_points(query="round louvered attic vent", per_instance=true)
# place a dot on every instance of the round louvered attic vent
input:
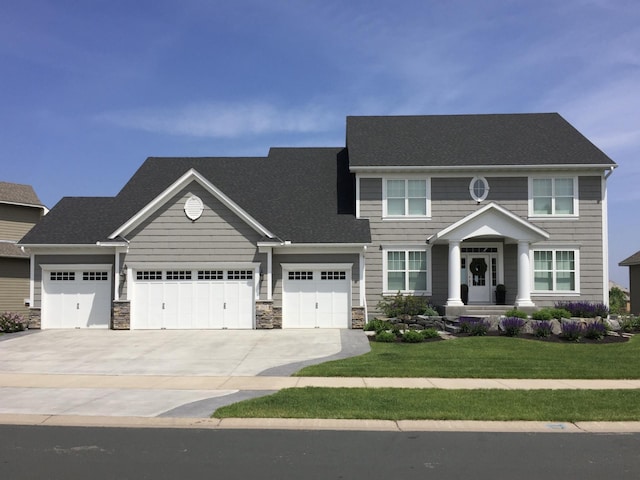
(193, 208)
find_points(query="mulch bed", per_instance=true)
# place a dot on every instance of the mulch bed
(529, 336)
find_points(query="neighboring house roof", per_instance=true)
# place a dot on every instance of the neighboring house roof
(293, 192)
(632, 260)
(18, 194)
(541, 139)
(11, 250)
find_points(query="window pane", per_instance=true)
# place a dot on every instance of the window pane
(395, 261)
(542, 206)
(543, 281)
(564, 187)
(565, 281)
(542, 261)
(417, 188)
(396, 281)
(564, 206)
(395, 206)
(417, 281)
(395, 189)
(417, 261)
(564, 261)
(478, 188)
(542, 187)
(417, 206)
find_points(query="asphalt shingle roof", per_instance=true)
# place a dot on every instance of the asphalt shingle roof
(17, 193)
(632, 260)
(292, 192)
(469, 140)
(11, 250)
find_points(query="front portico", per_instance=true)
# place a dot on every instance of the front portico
(475, 252)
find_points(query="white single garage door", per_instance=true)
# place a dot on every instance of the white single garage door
(76, 298)
(193, 299)
(316, 296)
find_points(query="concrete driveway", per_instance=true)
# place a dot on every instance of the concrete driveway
(154, 373)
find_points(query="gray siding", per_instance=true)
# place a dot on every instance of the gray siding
(219, 235)
(14, 285)
(278, 260)
(634, 288)
(450, 202)
(64, 260)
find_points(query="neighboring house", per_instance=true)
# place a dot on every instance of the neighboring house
(20, 210)
(314, 237)
(633, 262)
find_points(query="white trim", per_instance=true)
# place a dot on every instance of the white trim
(287, 267)
(269, 274)
(406, 216)
(499, 254)
(357, 196)
(536, 232)
(406, 248)
(471, 168)
(30, 205)
(363, 281)
(605, 242)
(193, 265)
(182, 182)
(32, 279)
(310, 249)
(552, 215)
(473, 193)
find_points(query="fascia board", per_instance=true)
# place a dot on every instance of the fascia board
(491, 206)
(475, 168)
(188, 177)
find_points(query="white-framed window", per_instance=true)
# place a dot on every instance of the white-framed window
(553, 196)
(406, 270)
(556, 270)
(479, 188)
(406, 198)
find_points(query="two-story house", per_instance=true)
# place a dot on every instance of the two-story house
(20, 210)
(315, 237)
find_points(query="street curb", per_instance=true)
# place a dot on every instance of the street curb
(322, 424)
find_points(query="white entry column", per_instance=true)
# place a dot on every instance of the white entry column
(523, 298)
(454, 299)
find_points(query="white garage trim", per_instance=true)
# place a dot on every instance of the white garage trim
(316, 295)
(76, 295)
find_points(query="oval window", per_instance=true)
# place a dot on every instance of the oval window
(479, 188)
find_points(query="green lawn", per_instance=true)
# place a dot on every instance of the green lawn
(435, 404)
(489, 357)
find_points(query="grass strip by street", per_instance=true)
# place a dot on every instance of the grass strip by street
(489, 357)
(435, 404)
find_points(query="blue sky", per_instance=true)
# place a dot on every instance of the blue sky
(91, 88)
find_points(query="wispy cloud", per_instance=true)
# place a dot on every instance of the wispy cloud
(224, 120)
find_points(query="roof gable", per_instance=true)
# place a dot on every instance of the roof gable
(458, 141)
(492, 220)
(190, 176)
(18, 194)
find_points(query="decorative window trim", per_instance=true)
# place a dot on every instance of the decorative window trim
(406, 216)
(553, 215)
(474, 194)
(405, 249)
(554, 271)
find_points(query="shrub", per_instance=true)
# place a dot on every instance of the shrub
(430, 333)
(595, 330)
(584, 309)
(514, 312)
(430, 311)
(542, 329)
(559, 313)
(377, 325)
(571, 331)
(12, 322)
(386, 337)
(465, 324)
(544, 314)
(479, 328)
(512, 326)
(630, 324)
(399, 305)
(412, 336)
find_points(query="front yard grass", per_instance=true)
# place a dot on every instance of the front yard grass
(489, 357)
(435, 404)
